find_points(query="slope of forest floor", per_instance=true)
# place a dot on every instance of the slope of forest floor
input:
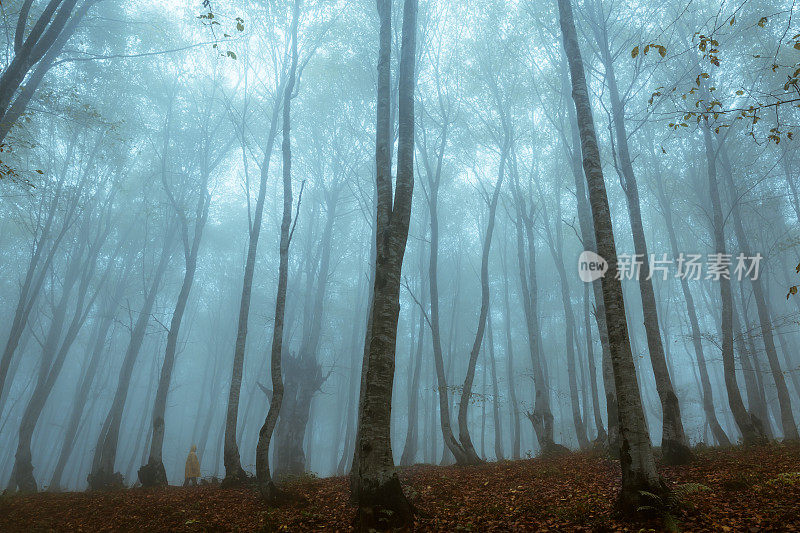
(755, 489)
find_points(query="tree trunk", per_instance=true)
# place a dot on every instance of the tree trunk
(515, 448)
(757, 404)
(46, 39)
(636, 457)
(602, 436)
(556, 250)
(373, 259)
(203, 440)
(102, 474)
(304, 376)
(268, 489)
(379, 496)
(28, 51)
(415, 362)
(466, 392)
(32, 285)
(82, 392)
(434, 182)
(610, 439)
(674, 446)
(788, 424)
(482, 454)
(747, 426)
(791, 367)
(81, 270)
(541, 416)
(498, 423)
(23, 468)
(233, 468)
(153, 473)
(707, 392)
(352, 395)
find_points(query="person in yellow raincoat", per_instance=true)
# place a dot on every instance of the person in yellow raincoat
(192, 470)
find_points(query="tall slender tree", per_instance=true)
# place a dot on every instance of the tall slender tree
(674, 445)
(234, 473)
(268, 489)
(751, 432)
(639, 474)
(466, 391)
(378, 493)
(103, 474)
(706, 390)
(191, 235)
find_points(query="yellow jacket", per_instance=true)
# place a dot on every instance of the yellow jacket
(192, 464)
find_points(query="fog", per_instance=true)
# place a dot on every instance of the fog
(157, 154)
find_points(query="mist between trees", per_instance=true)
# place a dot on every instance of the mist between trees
(222, 226)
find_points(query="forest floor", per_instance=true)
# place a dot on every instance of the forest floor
(755, 489)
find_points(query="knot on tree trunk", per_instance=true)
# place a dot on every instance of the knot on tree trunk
(303, 377)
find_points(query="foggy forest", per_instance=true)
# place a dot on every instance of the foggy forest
(508, 265)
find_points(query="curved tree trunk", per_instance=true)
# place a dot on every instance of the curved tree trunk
(757, 404)
(370, 301)
(610, 439)
(36, 274)
(304, 375)
(433, 174)
(82, 392)
(268, 488)
(46, 38)
(541, 416)
(352, 395)
(415, 362)
(602, 436)
(234, 473)
(466, 392)
(747, 426)
(498, 422)
(556, 250)
(153, 473)
(788, 424)
(674, 445)
(707, 392)
(49, 367)
(636, 457)
(81, 270)
(102, 474)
